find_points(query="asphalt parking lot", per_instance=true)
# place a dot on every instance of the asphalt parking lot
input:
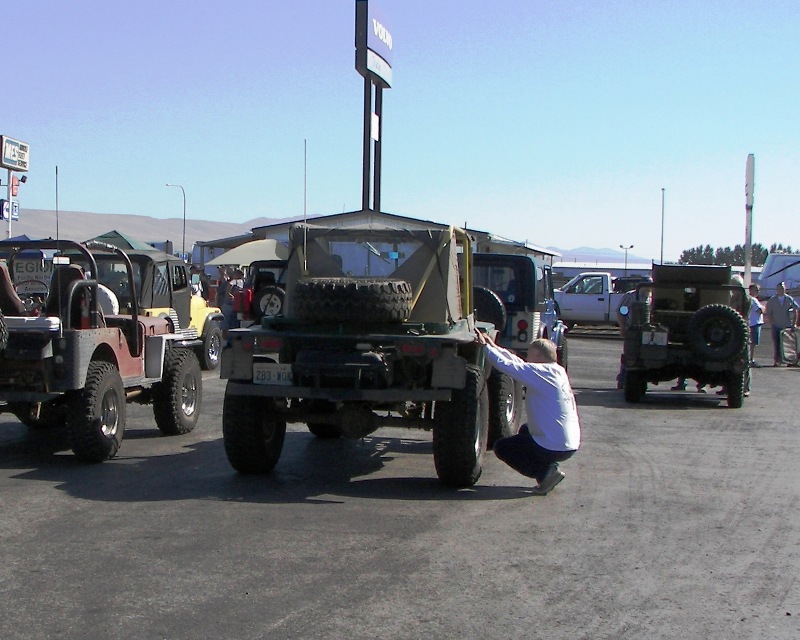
(678, 519)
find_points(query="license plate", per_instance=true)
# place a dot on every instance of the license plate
(271, 373)
(658, 338)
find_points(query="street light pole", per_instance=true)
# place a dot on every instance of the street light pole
(662, 225)
(183, 242)
(624, 248)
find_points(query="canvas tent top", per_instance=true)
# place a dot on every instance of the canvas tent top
(244, 254)
(122, 241)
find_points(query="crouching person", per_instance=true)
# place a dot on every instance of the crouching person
(553, 432)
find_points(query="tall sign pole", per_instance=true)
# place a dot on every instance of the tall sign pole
(662, 225)
(373, 61)
(749, 187)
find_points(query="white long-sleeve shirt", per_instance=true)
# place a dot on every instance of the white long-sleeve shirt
(550, 404)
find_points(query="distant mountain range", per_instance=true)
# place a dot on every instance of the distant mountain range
(589, 254)
(80, 225)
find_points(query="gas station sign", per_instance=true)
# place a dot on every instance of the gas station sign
(15, 154)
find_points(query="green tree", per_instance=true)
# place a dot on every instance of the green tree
(727, 255)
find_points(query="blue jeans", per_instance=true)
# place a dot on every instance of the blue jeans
(522, 454)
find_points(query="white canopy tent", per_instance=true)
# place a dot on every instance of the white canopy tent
(244, 254)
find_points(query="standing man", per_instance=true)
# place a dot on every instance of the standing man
(782, 314)
(553, 433)
(755, 319)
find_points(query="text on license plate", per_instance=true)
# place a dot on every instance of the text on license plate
(271, 373)
(655, 337)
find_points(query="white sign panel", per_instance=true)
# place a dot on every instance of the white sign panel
(9, 209)
(15, 154)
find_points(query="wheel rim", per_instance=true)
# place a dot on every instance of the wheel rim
(509, 408)
(189, 395)
(214, 348)
(109, 413)
(270, 305)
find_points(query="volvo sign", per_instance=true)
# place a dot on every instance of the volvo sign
(374, 43)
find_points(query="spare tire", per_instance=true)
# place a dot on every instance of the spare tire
(268, 301)
(489, 307)
(717, 332)
(364, 300)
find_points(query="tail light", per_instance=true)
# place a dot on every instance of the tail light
(418, 349)
(522, 330)
(262, 344)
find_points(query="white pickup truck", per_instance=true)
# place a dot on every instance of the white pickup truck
(592, 298)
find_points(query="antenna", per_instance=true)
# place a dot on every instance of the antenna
(57, 236)
(305, 205)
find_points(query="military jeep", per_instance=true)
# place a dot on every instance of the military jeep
(68, 363)
(688, 323)
(163, 289)
(377, 330)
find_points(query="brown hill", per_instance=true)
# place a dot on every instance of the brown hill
(79, 225)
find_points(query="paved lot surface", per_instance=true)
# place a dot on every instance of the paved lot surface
(677, 519)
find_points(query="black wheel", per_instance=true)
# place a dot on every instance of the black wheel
(460, 431)
(505, 404)
(3, 332)
(212, 348)
(489, 307)
(718, 332)
(268, 301)
(96, 416)
(562, 353)
(178, 397)
(736, 388)
(366, 300)
(253, 433)
(635, 386)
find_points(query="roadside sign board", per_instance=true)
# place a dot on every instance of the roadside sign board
(15, 154)
(9, 209)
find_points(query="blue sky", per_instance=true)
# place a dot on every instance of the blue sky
(554, 122)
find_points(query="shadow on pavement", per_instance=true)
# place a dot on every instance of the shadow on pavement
(654, 399)
(310, 471)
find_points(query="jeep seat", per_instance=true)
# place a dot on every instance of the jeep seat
(10, 302)
(57, 294)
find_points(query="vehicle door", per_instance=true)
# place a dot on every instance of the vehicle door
(181, 288)
(586, 299)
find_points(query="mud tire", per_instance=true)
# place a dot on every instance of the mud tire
(209, 355)
(460, 432)
(718, 332)
(736, 388)
(562, 353)
(253, 433)
(505, 407)
(268, 301)
(635, 387)
(177, 399)
(3, 332)
(97, 413)
(362, 300)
